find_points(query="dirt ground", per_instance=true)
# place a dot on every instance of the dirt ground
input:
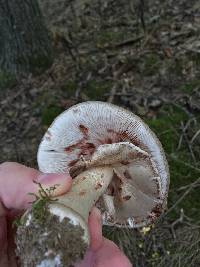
(144, 56)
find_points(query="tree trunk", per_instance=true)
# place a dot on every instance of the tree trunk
(25, 45)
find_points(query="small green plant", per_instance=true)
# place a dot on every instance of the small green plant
(42, 201)
(43, 198)
(17, 222)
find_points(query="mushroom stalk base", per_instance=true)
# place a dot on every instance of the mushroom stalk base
(61, 239)
(57, 241)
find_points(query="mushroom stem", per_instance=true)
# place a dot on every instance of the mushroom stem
(86, 189)
(66, 225)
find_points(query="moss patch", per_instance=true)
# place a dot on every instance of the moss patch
(175, 66)
(109, 38)
(7, 79)
(189, 87)
(182, 169)
(40, 63)
(96, 90)
(151, 65)
(167, 126)
(50, 113)
(70, 87)
(196, 59)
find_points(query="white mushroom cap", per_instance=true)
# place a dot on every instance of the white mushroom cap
(77, 138)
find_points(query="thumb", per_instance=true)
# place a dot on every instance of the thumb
(95, 229)
(17, 181)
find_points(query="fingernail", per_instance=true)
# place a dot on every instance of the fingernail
(52, 178)
(97, 213)
(63, 182)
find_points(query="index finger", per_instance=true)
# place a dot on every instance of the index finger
(95, 229)
(17, 181)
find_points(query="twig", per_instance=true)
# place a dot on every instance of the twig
(184, 163)
(116, 75)
(129, 42)
(179, 106)
(179, 220)
(194, 184)
(191, 187)
(184, 128)
(119, 45)
(10, 98)
(195, 136)
(181, 34)
(112, 94)
(28, 127)
(119, 94)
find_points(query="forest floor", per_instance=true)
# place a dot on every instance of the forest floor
(146, 59)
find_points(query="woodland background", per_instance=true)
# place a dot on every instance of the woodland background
(142, 55)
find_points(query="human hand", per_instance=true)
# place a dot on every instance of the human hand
(16, 181)
(102, 252)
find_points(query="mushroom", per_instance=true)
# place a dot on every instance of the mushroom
(117, 163)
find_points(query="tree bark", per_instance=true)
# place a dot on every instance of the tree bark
(25, 45)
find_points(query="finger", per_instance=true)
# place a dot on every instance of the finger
(17, 181)
(96, 239)
(88, 260)
(95, 229)
(62, 182)
(110, 255)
